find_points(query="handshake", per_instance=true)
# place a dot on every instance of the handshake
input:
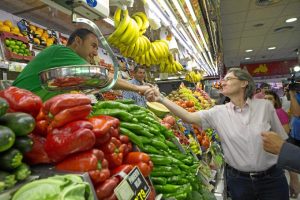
(150, 92)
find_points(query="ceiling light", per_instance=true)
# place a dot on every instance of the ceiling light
(249, 50)
(158, 12)
(189, 5)
(297, 68)
(247, 58)
(271, 48)
(169, 12)
(202, 36)
(179, 9)
(293, 19)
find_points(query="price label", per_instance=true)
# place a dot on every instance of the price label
(133, 187)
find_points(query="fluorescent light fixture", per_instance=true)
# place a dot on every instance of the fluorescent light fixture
(169, 12)
(179, 9)
(202, 36)
(189, 5)
(249, 50)
(293, 19)
(195, 38)
(157, 11)
(271, 48)
(109, 21)
(247, 58)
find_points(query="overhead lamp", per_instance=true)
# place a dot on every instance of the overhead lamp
(296, 68)
(271, 48)
(189, 5)
(290, 20)
(247, 58)
(202, 36)
(169, 12)
(109, 21)
(249, 50)
(179, 9)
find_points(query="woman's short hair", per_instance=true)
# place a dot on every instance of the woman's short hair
(276, 98)
(244, 76)
(82, 33)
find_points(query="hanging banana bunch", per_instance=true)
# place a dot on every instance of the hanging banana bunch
(129, 38)
(193, 76)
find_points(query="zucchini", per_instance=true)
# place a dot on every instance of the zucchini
(3, 106)
(24, 144)
(7, 138)
(20, 123)
(8, 179)
(22, 172)
(10, 159)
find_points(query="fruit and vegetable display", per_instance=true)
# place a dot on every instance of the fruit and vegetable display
(129, 38)
(17, 46)
(104, 140)
(193, 76)
(7, 26)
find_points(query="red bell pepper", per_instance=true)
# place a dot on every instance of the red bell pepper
(101, 174)
(70, 114)
(113, 153)
(21, 100)
(111, 197)
(103, 124)
(141, 160)
(126, 144)
(37, 155)
(102, 140)
(41, 127)
(65, 101)
(106, 189)
(82, 161)
(71, 138)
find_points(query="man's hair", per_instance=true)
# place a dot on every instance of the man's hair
(264, 85)
(276, 98)
(82, 33)
(136, 68)
(244, 76)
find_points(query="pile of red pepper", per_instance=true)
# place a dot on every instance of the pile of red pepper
(66, 136)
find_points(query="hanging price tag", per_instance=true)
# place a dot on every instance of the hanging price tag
(133, 187)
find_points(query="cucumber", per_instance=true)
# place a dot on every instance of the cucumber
(20, 123)
(24, 144)
(10, 159)
(3, 106)
(7, 138)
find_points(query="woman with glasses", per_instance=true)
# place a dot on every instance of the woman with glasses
(251, 172)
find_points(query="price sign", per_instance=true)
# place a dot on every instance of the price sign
(133, 187)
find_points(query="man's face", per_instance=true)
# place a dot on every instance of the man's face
(88, 47)
(232, 85)
(140, 75)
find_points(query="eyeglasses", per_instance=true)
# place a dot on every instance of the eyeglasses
(228, 79)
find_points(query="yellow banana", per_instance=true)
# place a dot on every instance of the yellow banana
(147, 58)
(117, 17)
(128, 33)
(147, 41)
(136, 49)
(142, 60)
(131, 49)
(123, 24)
(135, 33)
(152, 55)
(142, 47)
(162, 67)
(144, 18)
(139, 21)
(157, 50)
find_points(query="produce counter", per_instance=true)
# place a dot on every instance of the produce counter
(104, 142)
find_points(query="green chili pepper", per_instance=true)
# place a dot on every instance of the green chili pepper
(111, 105)
(161, 174)
(167, 188)
(136, 128)
(159, 180)
(171, 145)
(125, 101)
(179, 179)
(175, 170)
(160, 160)
(134, 138)
(159, 144)
(150, 149)
(121, 114)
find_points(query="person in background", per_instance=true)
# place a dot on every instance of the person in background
(284, 119)
(286, 103)
(263, 87)
(251, 172)
(258, 90)
(282, 115)
(139, 77)
(81, 49)
(123, 71)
